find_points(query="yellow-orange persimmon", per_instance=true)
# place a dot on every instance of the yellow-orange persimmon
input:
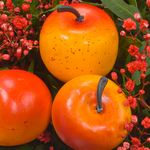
(76, 118)
(71, 46)
(25, 107)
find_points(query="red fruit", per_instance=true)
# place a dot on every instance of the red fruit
(25, 107)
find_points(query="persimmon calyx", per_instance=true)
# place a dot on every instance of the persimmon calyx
(72, 10)
(101, 85)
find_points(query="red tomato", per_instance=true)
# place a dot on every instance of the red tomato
(70, 48)
(77, 121)
(25, 107)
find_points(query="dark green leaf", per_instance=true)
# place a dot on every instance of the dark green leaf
(133, 2)
(31, 67)
(127, 61)
(143, 45)
(136, 76)
(5, 68)
(121, 9)
(147, 93)
(146, 112)
(50, 10)
(147, 72)
(18, 1)
(124, 43)
(95, 4)
(32, 8)
(141, 5)
(41, 147)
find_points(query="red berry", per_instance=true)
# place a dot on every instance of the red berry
(19, 32)
(11, 34)
(41, 6)
(123, 33)
(137, 17)
(2, 5)
(19, 50)
(17, 10)
(25, 52)
(141, 92)
(29, 16)
(4, 27)
(119, 90)
(126, 145)
(148, 3)
(16, 45)
(25, 7)
(114, 76)
(1, 33)
(134, 119)
(4, 17)
(46, 6)
(122, 71)
(30, 23)
(10, 28)
(142, 76)
(5, 56)
(148, 140)
(35, 42)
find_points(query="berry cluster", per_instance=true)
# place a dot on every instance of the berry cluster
(139, 64)
(17, 33)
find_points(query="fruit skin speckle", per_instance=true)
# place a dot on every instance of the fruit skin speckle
(78, 44)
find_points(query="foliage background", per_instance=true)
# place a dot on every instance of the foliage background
(118, 10)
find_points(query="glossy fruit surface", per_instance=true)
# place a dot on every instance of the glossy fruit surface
(25, 107)
(77, 121)
(70, 48)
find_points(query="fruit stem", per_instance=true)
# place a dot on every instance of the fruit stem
(72, 10)
(101, 85)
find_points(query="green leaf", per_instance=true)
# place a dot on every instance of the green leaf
(143, 45)
(41, 147)
(31, 67)
(94, 4)
(50, 10)
(147, 72)
(133, 2)
(141, 5)
(136, 76)
(18, 1)
(121, 9)
(5, 68)
(124, 43)
(32, 8)
(127, 61)
(146, 112)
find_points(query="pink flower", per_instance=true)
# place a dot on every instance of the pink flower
(45, 136)
(146, 122)
(129, 24)
(133, 50)
(121, 148)
(130, 85)
(142, 65)
(126, 145)
(129, 126)
(143, 25)
(9, 5)
(135, 141)
(131, 101)
(25, 7)
(132, 66)
(19, 23)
